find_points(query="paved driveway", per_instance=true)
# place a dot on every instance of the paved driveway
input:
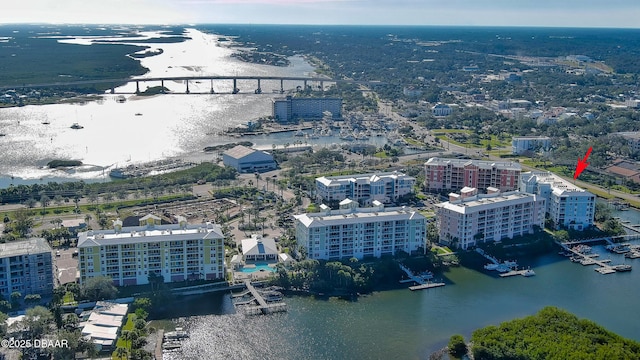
(65, 266)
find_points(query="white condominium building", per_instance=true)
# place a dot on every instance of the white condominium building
(365, 188)
(128, 255)
(522, 144)
(455, 174)
(360, 232)
(468, 219)
(568, 206)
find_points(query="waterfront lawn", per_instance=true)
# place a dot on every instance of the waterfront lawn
(121, 343)
(166, 325)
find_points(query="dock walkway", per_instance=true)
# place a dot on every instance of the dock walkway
(603, 269)
(426, 286)
(263, 306)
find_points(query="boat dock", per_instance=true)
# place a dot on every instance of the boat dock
(426, 286)
(263, 307)
(525, 273)
(633, 227)
(423, 280)
(585, 259)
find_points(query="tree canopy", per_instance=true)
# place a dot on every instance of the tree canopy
(551, 334)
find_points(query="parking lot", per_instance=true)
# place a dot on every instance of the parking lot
(65, 265)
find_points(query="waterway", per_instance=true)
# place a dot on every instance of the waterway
(401, 324)
(144, 129)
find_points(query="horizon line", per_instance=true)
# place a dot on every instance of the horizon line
(327, 25)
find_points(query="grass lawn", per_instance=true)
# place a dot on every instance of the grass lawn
(442, 250)
(129, 325)
(495, 142)
(166, 325)
(451, 131)
(68, 299)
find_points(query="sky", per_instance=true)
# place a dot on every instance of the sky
(555, 13)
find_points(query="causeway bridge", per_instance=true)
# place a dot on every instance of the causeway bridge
(114, 83)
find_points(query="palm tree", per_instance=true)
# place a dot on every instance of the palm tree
(126, 337)
(121, 353)
(44, 201)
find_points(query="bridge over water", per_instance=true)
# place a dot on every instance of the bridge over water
(114, 83)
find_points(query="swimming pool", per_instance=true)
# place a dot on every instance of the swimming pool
(258, 267)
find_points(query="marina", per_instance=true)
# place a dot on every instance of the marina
(582, 254)
(268, 301)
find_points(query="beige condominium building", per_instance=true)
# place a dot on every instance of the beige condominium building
(470, 218)
(128, 255)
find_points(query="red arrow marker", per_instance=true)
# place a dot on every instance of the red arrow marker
(582, 164)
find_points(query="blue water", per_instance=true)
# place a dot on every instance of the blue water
(259, 267)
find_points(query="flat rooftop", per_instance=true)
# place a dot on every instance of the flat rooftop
(483, 164)
(24, 247)
(145, 234)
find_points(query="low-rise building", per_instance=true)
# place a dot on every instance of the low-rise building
(455, 174)
(26, 267)
(385, 187)
(257, 248)
(468, 218)
(524, 144)
(102, 324)
(358, 232)
(633, 139)
(567, 205)
(248, 160)
(441, 110)
(129, 255)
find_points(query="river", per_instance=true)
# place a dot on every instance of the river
(401, 324)
(143, 129)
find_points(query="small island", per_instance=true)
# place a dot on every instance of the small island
(264, 58)
(552, 333)
(56, 164)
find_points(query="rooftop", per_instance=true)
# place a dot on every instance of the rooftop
(483, 164)
(239, 151)
(368, 176)
(482, 201)
(149, 234)
(24, 247)
(557, 183)
(359, 215)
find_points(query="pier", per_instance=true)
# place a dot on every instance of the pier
(423, 280)
(263, 307)
(632, 227)
(588, 260)
(426, 286)
(525, 273)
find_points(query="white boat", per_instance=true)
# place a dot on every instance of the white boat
(299, 133)
(528, 273)
(587, 261)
